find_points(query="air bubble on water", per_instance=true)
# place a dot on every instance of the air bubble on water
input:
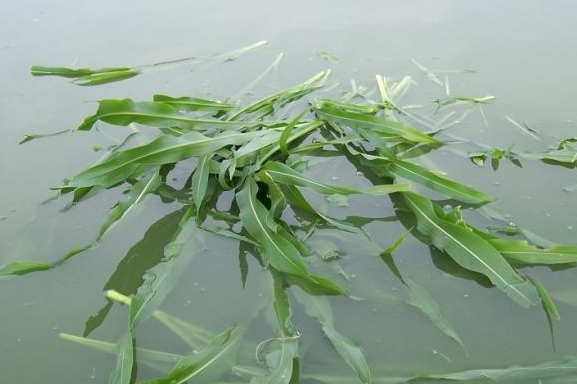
(497, 183)
(202, 289)
(353, 276)
(188, 302)
(260, 294)
(569, 227)
(466, 295)
(18, 340)
(92, 377)
(195, 284)
(374, 310)
(394, 289)
(334, 178)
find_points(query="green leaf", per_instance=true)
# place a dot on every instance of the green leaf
(137, 193)
(266, 105)
(30, 137)
(438, 183)
(24, 267)
(380, 125)
(38, 70)
(521, 252)
(470, 250)
(156, 114)
(286, 133)
(208, 364)
(105, 77)
(319, 308)
(284, 174)
(191, 104)
(199, 182)
(165, 149)
(277, 249)
(546, 299)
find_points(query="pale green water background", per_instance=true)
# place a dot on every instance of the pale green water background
(524, 52)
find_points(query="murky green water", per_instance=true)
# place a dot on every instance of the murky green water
(523, 52)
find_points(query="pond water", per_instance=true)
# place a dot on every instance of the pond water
(523, 52)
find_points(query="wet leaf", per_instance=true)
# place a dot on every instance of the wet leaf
(389, 129)
(105, 77)
(38, 70)
(521, 252)
(191, 104)
(438, 183)
(24, 267)
(165, 149)
(282, 255)
(152, 113)
(286, 175)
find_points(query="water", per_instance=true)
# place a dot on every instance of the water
(522, 50)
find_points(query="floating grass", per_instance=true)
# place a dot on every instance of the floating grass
(263, 154)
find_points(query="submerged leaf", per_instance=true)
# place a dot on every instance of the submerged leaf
(283, 352)
(418, 296)
(319, 308)
(543, 370)
(125, 359)
(208, 364)
(470, 251)
(159, 281)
